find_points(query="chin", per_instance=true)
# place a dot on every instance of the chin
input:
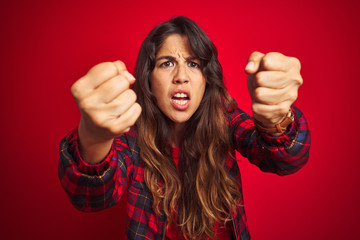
(180, 119)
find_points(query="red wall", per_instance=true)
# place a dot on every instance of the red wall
(46, 45)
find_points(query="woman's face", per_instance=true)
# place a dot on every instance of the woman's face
(177, 81)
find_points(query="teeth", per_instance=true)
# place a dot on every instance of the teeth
(180, 95)
(181, 102)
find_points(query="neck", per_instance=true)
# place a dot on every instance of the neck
(177, 134)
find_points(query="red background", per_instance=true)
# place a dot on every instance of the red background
(46, 45)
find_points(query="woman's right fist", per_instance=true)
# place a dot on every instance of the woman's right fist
(107, 104)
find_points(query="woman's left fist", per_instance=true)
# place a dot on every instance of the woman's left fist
(273, 82)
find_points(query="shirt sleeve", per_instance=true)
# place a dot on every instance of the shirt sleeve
(284, 154)
(93, 187)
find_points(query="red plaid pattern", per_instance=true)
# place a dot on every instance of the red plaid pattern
(95, 187)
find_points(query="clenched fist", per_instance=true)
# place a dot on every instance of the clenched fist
(273, 83)
(107, 106)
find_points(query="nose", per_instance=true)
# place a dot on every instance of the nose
(181, 75)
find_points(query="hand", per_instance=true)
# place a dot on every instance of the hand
(107, 105)
(273, 83)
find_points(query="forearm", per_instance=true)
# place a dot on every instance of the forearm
(283, 154)
(89, 187)
(287, 153)
(92, 150)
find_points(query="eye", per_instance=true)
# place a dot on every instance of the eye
(193, 65)
(167, 64)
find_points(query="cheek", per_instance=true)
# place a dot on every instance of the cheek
(154, 85)
(159, 91)
(201, 88)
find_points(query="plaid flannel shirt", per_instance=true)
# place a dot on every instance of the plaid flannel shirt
(95, 187)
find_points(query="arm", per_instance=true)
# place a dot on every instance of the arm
(108, 108)
(273, 83)
(284, 154)
(94, 164)
(94, 187)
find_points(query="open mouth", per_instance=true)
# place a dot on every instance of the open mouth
(180, 101)
(180, 98)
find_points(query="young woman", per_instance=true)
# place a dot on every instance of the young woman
(170, 142)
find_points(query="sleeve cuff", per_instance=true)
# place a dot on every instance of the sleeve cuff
(284, 138)
(83, 166)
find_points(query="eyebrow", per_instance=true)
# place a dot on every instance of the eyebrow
(171, 58)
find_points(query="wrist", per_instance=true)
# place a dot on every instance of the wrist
(90, 135)
(92, 147)
(276, 129)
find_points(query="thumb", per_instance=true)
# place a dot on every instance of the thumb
(253, 63)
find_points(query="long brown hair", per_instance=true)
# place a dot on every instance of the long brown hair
(204, 192)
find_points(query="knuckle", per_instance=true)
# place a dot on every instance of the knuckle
(117, 84)
(133, 94)
(296, 79)
(75, 89)
(120, 64)
(130, 95)
(138, 109)
(132, 121)
(259, 78)
(110, 68)
(293, 95)
(274, 54)
(124, 82)
(300, 80)
(258, 93)
(255, 107)
(85, 105)
(296, 62)
(121, 108)
(106, 67)
(266, 60)
(134, 110)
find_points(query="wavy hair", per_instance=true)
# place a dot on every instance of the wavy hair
(204, 192)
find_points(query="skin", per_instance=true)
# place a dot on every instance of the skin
(177, 70)
(108, 106)
(273, 83)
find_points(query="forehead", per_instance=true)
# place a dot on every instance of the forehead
(174, 45)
